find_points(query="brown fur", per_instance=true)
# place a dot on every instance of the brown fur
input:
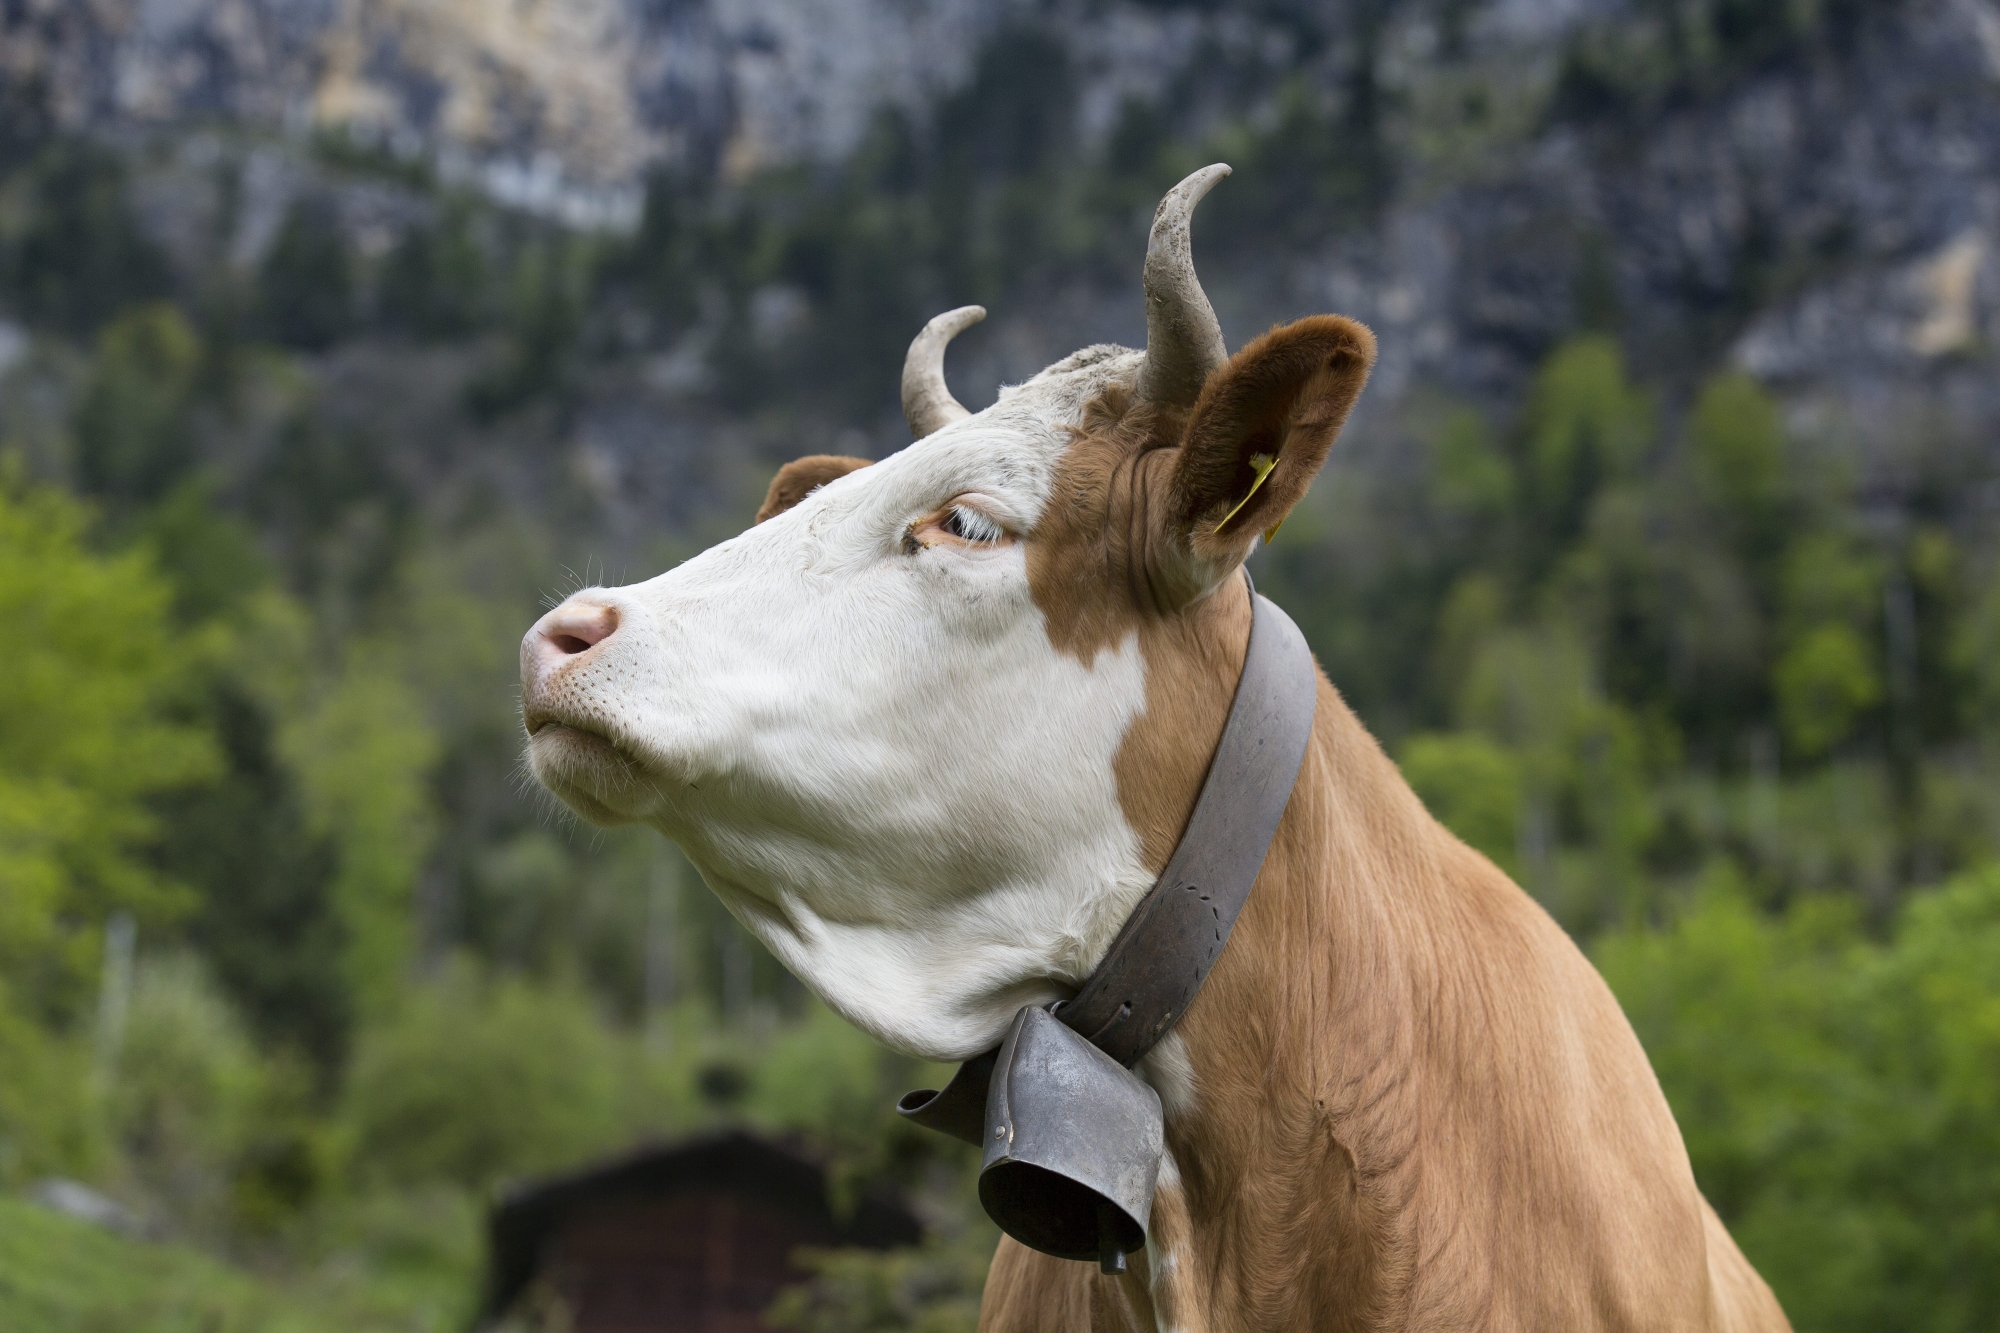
(1417, 1106)
(801, 477)
(1287, 394)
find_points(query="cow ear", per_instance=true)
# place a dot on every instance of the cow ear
(802, 476)
(1256, 438)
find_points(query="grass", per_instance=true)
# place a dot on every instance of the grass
(60, 1275)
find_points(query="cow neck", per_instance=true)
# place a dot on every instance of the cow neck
(1172, 939)
(1167, 946)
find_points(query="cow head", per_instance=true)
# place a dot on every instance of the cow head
(930, 727)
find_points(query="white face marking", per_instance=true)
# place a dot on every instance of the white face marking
(872, 753)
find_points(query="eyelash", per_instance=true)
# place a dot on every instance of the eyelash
(972, 526)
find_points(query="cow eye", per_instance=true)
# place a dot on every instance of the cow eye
(972, 526)
(956, 524)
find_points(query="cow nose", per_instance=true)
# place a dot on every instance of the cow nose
(570, 629)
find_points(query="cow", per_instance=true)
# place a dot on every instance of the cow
(931, 727)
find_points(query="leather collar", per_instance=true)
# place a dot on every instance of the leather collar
(1165, 949)
(1164, 952)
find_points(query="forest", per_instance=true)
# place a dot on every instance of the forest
(297, 967)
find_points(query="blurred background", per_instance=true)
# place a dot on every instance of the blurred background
(340, 337)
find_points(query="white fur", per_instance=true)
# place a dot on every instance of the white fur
(1165, 1269)
(1170, 1071)
(875, 757)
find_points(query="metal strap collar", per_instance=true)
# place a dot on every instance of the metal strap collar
(1166, 947)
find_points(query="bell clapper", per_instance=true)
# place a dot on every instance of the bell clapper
(1110, 1255)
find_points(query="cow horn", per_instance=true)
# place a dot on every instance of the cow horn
(927, 402)
(1183, 340)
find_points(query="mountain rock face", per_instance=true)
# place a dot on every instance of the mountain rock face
(550, 101)
(1808, 190)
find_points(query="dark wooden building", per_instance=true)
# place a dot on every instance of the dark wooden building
(695, 1237)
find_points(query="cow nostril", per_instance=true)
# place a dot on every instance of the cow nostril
(575, 628)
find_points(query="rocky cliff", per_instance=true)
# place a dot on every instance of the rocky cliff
(1809, 189)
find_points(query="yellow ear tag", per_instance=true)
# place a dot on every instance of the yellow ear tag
(1263, 463)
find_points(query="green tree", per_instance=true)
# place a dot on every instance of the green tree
(544, 319)
(134, 424)
(363, 748)
(1827, 677)
(81, 256)
(97, 687)
(48, 1121)
(1586, 425)
(1974, 650)
(1473, 786)
(434, 283)
(1824, 682)
(268, 924)
(473, 1080)
(1738, 446)
(306, 283)
(1840, 1098)
(189, 1090)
